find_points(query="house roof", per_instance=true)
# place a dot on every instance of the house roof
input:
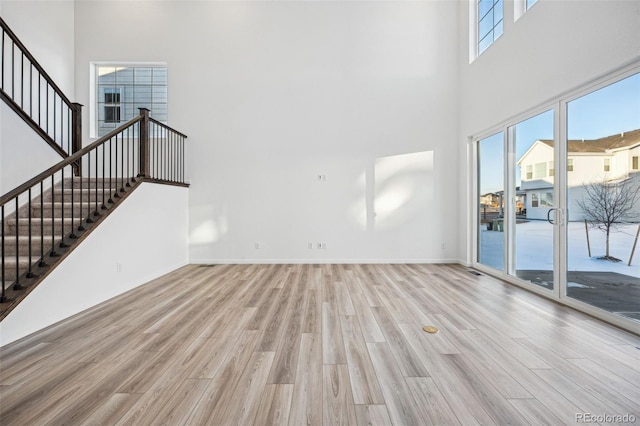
(615, 142)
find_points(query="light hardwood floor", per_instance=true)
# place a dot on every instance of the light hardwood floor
(321, 344)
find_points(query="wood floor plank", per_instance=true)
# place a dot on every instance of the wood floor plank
(313, 344)
(337, 401)
(410, 364)
(397, 396)
(112, 410)
(364, 383)
(332, 342)
(306, 406)
(535, 413)
(432, 406)
(372, 415)
(275, 405)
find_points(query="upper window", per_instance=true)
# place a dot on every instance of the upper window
(122, 90)
(570, 164)
(607, 165)
(490, 20)
(634, 163)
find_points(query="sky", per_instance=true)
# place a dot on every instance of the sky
(610, 110)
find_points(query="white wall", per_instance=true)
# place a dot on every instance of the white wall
(47, 30)
(146, 235)
(273, 93)
(555, 47)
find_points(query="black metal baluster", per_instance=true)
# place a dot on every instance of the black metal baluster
(3, 297)
(81, 217)
(16, 284)
(39, 99)
(31, 90)
(116, 194)
(47, 107)
(30, 272)
(122, 173)
(110, 200)
(104, 176)
(2, 85)
(53, 217)
(95, 212)
(42, 262)
(62, 243)
(13, 69)
(73, 205)
(129, 171)
(22, 79)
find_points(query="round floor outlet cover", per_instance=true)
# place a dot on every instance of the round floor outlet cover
(430, 329)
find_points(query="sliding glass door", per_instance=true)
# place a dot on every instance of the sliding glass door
(533, 200)
(558, 201)
(603, 198)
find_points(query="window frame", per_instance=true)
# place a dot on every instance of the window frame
(93, 89)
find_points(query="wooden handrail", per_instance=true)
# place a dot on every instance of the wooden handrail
(64, 163)
(167, 127)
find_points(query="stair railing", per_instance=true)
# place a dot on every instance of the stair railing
(143, 149)
(27, 88)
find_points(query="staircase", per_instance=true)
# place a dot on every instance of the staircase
(45, 218)
(49, 228)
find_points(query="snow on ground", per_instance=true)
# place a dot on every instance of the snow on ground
(534, 248)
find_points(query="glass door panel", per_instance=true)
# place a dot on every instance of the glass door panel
(532, 180)
(603, 198)
(491, 201)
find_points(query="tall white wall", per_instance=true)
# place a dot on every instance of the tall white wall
(273, 94)
(47, 30)
(146, 235)
(555, 47)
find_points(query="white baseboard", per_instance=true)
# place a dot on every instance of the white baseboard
(317, 261)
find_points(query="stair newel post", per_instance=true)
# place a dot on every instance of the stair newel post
(76, 135)
(144, 143)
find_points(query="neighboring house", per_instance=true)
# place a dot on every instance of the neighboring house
(611, 158)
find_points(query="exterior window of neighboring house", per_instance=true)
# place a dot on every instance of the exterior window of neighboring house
(540, 170)
(534, 200)
(570, 164)
(530, 3)
(529, 172)
(552, 171)
(634, 163)
(607, 165)
(546, 199)
(111, 105)
(490, 19)
(122, 89)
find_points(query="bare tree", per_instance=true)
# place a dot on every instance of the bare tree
(609, 203)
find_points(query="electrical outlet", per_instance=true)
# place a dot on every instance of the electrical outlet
(321, 245)
(443, 246)
(257, 245)
(310, 246)
(321, 177)
(118, 267)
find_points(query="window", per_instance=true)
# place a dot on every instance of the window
(111, 105)
(570, 164)
(552, 171)
(490, 21)
(534, 200)
(540, 170)
(634, 163)
(546, 199)
(122, 89)
(529, 172)
(530, 3)
(607, 165)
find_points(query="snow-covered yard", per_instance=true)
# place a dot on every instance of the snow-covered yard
(534, 248)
